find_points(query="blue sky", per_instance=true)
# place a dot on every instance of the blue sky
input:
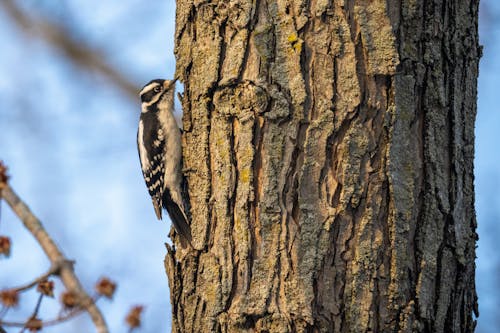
(68, 138)
(487, 170)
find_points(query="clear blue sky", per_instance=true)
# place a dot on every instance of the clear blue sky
(69, 140)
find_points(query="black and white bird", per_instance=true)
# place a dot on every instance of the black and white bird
(160, 152)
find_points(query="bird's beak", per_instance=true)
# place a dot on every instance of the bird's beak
(168, 84)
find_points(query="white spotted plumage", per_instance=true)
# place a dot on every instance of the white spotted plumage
(160, 153)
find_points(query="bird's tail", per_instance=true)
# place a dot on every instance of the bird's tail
(157, 205)
(179, 221)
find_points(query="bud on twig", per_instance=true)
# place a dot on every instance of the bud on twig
(9, 298)
(34, 324)
(46, 287)
(69, 299)
(133, 318)
(5, 246)
(105, 287)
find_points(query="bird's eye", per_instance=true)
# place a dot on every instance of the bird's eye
(157, 89)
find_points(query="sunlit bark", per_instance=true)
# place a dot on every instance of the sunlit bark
(329, 152)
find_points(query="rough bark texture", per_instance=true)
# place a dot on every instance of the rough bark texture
(328, 148)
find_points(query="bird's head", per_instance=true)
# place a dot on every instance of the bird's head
(156, 89)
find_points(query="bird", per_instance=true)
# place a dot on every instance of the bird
(160, 153)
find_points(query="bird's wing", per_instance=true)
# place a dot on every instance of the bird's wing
(152, 163)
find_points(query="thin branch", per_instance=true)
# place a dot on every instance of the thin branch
(68, 277)
(80, 53)
(55, 269)
(37, 307)
(50, 322)
(35, 312)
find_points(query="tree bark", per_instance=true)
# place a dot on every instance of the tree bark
(328, 148)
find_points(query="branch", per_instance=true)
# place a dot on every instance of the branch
(50, 322)
(54, 270)
(57, 259)
(78, 52)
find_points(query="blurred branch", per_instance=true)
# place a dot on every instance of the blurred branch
(78, 52)
(57, 259)
(55, 269)
(51, 322)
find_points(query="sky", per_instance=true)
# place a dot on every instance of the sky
(68, 138)
(487, 170)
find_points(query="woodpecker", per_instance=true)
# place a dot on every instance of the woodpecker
(160, 153)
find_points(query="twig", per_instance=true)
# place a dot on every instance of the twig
(68, 277)
(53, 270)
(46, 323)
(35, 312)
(37, 307)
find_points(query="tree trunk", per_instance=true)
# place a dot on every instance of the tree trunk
(328, 148)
